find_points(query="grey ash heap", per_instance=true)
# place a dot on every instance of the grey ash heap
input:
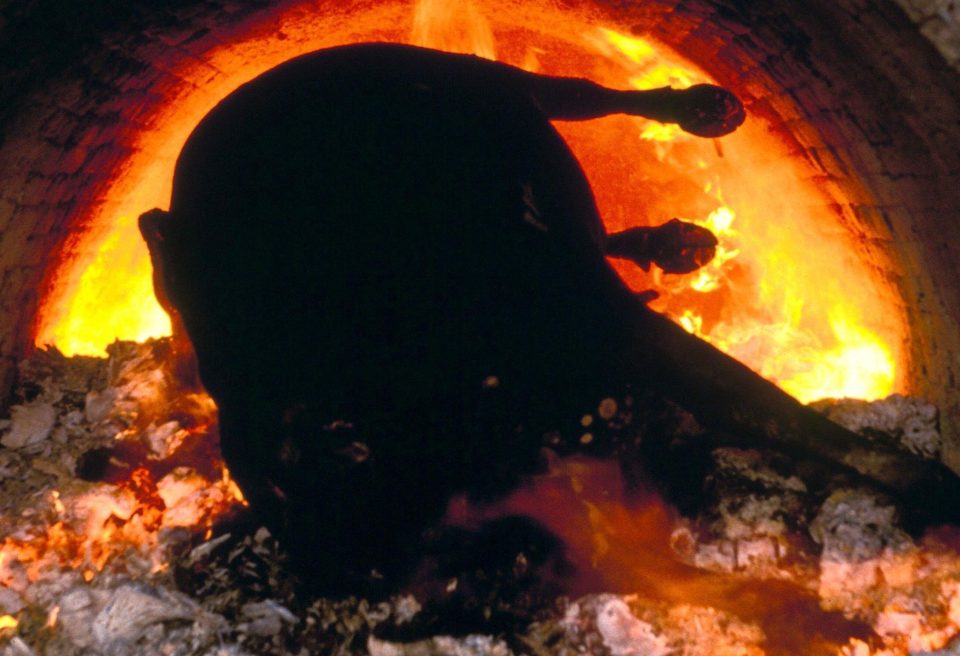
(393, 273)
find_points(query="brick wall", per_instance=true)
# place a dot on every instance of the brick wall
(866, 91)
(76, 85)
(938, 21)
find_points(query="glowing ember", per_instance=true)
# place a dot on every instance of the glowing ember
(158, 476)
(88, 529)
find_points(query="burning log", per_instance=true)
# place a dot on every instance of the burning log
(391, 268)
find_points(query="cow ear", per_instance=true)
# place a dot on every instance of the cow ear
(152, 225)
(151, 228)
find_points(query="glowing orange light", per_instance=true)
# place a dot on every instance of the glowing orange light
(454, 26)
(95, 526)
(789, 293)
(116, 285)
(52, 617)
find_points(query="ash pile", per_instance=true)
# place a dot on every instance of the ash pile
(122, 533)
(108, 466)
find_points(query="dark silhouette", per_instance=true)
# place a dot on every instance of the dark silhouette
(391, 268)
(392, 271)
(676, 246)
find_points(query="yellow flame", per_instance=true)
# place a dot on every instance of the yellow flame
(454, 26)
(651, 67)
(858, 366)
(124, 305)
(691, 322)
(711, 277)
(636, 50)
(661, 132)
(786, 292)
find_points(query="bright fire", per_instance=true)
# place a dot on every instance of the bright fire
(789, 293)
(88, 529)
(88, 525)
(164, 472)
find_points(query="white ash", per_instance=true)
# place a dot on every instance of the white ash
(405, 608)
(164, 440)
(753, 527)
(71, 376)
(97, 405)
(909, 592)
(856, 525)
(91, 594)
(750, 464)
(227, 650)
(861, 562)
(29, 424)
(10, 602)
(47, 432)
(752, 516)
(631, 625)
(17, 647)
(912, 423)
(265, 618)
(127, 617)
(132, 609)
(471, 645)
(204, 550)
(624, 634)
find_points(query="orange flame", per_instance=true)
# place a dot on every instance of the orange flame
(454, 26)
(858, 363)
(788, 293)
(88, 528)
